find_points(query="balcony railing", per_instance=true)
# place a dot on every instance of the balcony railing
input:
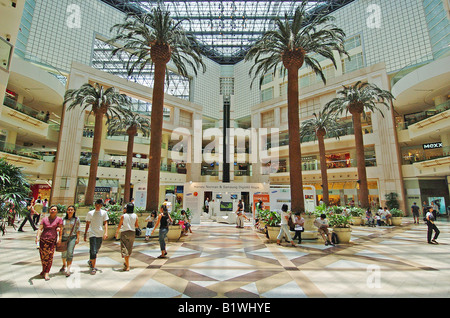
(418, 117)
(242, 173)
(421, 155)
(213, 173)
(20, 151)
(86, 161)
(345, 131)
(314, 165)
(36, 114)
(137, 140)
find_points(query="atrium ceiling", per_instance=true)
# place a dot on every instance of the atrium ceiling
(227, 29)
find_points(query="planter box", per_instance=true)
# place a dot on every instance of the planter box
(174, 233)
(112, 232)
(397, 221)
(273, 232)
(357, 220)
(309, 223)
(311, 232)
(343, 233)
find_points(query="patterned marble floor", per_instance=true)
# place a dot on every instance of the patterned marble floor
(221, 261)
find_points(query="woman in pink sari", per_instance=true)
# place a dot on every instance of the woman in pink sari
(48, 238)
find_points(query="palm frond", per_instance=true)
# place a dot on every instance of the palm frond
(140, 32)
(368, 95)
(325, 120)
(318, 37)
(94, 98)
(122, 122)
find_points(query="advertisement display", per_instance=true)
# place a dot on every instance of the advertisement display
(439, 202)
(280, 196)
(265, 199)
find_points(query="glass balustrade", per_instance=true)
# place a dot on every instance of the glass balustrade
(86, 161)
(208, 172)
(415, 118)
(20, 151)
(242, 173)
(345, 131)
(31, 112)
(411, 155)
(314, 165)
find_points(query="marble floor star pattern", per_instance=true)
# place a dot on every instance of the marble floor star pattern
(222, 261)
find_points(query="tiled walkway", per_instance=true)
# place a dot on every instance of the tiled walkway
(219, 260)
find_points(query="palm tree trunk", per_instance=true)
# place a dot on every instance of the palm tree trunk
(154, 169)
(323, 168)
(96, 144)
(131, 133)
(360, 160)
(295, 156)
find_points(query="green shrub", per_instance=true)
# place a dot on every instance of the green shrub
(397, 212)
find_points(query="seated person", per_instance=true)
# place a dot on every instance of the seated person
(322, 224)
(186, 222)
(386, 216)
(378, 218)
(369, 218)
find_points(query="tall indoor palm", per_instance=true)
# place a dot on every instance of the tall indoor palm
(131, 123)
(292, 43)
(318, 127)
(154, 38)
(357, 100)
(14, 190)
(101, 102)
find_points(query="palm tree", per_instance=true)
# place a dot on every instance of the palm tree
(14, 190)
(357, 100)
(318, 127)
(154, 38)
(292, 44)
(131, 123)
(101, 103)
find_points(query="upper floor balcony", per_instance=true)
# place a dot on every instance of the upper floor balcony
(32, 160)
(417, 162)
(179, 168)
(313, 165)
(30, 120)
(423, 123)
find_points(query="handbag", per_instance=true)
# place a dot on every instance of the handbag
(63, 245)
(138, 231)
(291, 224)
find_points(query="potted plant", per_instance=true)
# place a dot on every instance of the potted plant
(272, 219)
(356, 214)
(310, 217)
(262, 215)
(397, 216)
(114, 215)
(175, 229)
(336, 209)
(341, 226)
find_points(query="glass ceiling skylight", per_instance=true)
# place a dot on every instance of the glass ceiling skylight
(226, 29)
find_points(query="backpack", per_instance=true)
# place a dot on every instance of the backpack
(334, 238)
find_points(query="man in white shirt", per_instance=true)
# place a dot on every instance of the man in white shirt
(97, 227)
(386, 216)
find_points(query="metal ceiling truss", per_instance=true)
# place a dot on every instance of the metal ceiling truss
(227, 29)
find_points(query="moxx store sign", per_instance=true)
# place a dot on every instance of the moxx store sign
(432, 145)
